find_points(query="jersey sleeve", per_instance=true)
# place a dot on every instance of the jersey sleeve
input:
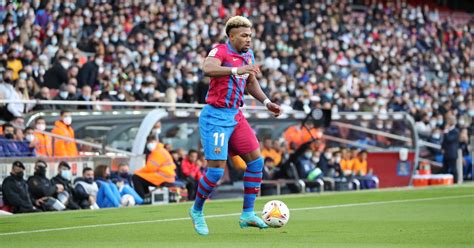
(218, 52)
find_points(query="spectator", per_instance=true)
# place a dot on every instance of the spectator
(329, 164)
(159, 169)
(86, 189)
(450, 146)
(307, 169)
(9, 92)
(108, 195)
(86, 96)
(9, 147)
(62, 127)
(123, 179)
(347, 164)
(43, 142)
(89, 72)
(66, 93)
(43, 94)
(57, 75)
(191, 173)
(465, 148)
(269, 152)
(15, 191)
(63, 178)
(43, 191)
(27, 142)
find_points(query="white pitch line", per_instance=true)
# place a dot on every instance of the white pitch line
(233, 214)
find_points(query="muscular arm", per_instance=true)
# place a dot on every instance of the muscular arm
(212, 68)
(254, 88)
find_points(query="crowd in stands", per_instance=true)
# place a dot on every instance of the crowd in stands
(380, 58)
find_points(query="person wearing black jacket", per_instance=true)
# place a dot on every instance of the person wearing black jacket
(57, 74)
(15, 191)
(64, 178)
(42, 190)
(450, 146)
(86, 189)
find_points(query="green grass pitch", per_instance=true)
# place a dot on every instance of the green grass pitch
(428, 217)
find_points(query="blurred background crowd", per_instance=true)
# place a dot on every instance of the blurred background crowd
(380, 58)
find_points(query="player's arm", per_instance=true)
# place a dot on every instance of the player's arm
(253, 87)
(212, 68)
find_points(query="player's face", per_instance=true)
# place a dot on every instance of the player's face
(241, 38)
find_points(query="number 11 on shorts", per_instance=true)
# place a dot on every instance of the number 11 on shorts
(216, 138)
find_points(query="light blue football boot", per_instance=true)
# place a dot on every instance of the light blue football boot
(250, 219)
(199, 222)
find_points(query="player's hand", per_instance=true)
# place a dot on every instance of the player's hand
(274, 108)
(250, 69)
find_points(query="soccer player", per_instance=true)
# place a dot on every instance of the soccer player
(222, 125)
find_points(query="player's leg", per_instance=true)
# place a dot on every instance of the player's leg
(215, 140)
(244, 143)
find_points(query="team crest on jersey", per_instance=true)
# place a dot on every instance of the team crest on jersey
(217, 150)
(213, 52)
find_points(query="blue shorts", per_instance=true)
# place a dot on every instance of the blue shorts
(216, 125)
(225, 131)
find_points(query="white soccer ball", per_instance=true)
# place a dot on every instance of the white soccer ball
(275, 213)
(127, 200)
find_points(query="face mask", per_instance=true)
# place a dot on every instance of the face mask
(67, 120)
(151, 146)
(63, 94)
(328, 155)
(436, 136)
(124, 174)
(30, 137)
(66, 174)
(127, 88)
(41, 127)
(315, 160)
(41, 171)
(9, 136)
(338, 159)
(19, 175)
(121, 96)
(89, 180)
(308, 154)
(138, 80)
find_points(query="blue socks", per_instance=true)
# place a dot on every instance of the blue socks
(206, 185)
(252, 181)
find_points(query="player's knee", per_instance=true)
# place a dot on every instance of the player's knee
(255, 165)
(215, 174)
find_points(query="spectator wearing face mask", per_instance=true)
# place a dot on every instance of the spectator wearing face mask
(43, 191)
(8, 146)
(15, 191)
(159, 168)
(27, 142)
(64, 148)
(122, 178)
(63, 178)
(86, 96)
(43, 142)
(86, 189)
(57, 74)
